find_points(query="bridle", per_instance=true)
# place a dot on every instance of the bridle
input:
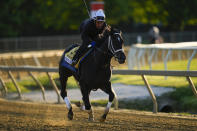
(113, 51)
(111, 47)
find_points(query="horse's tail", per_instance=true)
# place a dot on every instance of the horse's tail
(70, 47)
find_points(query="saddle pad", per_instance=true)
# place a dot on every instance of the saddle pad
(69, 55)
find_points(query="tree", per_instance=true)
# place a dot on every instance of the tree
(178, 13)
(55, 17)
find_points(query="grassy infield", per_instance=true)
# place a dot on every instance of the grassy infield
(184, 97)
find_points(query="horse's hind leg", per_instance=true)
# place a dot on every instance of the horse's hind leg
(111, 94)
(63, 82)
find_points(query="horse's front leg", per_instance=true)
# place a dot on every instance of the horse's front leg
(63, 82)
(88, 109)
(79, 104)
(111, 94)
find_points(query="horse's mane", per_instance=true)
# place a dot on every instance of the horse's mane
(115, 30)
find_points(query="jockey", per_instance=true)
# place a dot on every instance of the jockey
(93, 31)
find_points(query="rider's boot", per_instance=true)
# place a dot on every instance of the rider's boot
(78, 55)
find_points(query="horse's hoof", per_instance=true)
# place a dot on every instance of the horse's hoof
(91, 119)
(103, 118)
(91, 115)
(70, 115)
(82, 108)
(78, 104)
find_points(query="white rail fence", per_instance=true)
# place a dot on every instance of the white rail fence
(142, 73)
(140, 53)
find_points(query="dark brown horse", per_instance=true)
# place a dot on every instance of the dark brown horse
(94, 72)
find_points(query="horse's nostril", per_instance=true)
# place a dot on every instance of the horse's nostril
(121, 57)
(121, 61)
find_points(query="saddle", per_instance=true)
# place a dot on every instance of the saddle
(67, 58)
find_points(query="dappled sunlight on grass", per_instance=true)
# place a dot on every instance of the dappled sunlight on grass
(159, 80)
(173, 65)
(153, 80)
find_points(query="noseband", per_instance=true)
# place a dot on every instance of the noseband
(111, 47)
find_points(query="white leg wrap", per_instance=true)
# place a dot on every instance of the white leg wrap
(109, 105)
(83, 107)
(68, 105)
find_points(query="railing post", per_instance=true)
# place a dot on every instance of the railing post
(150, 58)
(15, 64)
(39, 84)
(4, 87)
(5, 64)
(140, 53)
(131, 58)
(166, 60)
(15, 84)
(155, 108)
(156, 56)
(192, 85)
(37, 62)
(190, 59)
(54, 86)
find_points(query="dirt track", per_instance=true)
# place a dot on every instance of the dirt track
(34, 116)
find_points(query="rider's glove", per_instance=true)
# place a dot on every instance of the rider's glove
(92, 44)
(107, 30)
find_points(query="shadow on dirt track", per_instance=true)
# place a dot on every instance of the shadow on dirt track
(17, 115)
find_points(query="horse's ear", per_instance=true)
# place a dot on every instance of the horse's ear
(116, 30)
(111, 30)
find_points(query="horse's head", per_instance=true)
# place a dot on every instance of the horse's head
(115, 45)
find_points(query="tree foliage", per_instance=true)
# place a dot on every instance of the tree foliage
(49, 17)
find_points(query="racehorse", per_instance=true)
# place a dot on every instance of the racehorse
(94, 72)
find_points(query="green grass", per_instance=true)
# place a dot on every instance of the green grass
(183, 95)
(186, 101)
(174, 65)
(175, 82)
(136, 104)
(27, 84)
